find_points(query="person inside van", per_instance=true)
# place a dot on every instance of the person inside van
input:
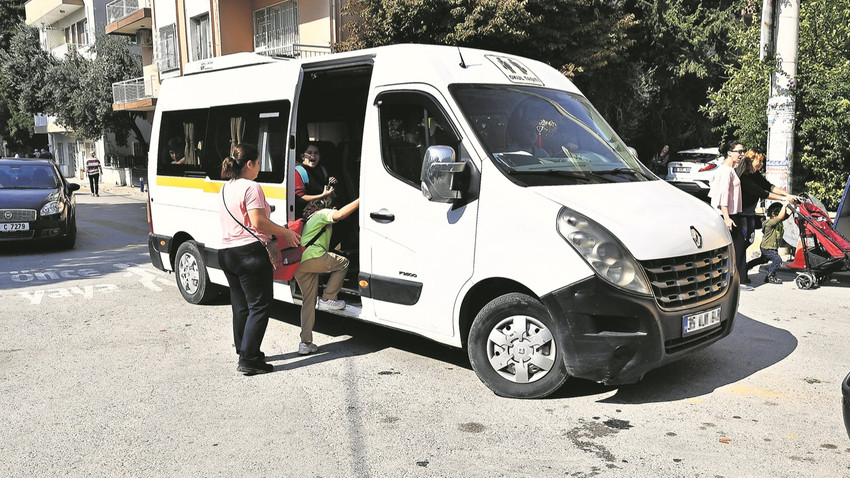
(311, 179)
(176, 151)
(316, 260)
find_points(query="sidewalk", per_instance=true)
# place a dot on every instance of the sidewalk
(109, 189)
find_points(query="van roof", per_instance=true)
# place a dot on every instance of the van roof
(251, 77)
(406, 59)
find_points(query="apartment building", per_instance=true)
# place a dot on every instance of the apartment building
(66, 25)
(173, 33)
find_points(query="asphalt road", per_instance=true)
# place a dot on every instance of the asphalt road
(106, 371)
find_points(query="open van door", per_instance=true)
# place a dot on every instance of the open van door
(417, 253)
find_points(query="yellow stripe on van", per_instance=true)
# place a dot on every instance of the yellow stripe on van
(271, 192)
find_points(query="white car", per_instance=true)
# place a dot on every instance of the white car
(691, 170)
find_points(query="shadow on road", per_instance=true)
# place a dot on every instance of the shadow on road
(364, 338)
(752, 347)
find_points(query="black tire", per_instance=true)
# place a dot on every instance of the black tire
(70, 240)
(529, 363)
(191, 273)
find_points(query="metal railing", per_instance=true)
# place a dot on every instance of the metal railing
(295, 50)
(121, 8)
(133, 90)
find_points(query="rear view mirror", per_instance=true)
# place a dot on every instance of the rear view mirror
(439, 174)
(73, 187)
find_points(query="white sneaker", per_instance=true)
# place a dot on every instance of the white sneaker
(330, 304)
(306, 349)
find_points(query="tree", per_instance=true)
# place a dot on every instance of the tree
(822, 142)
(76, 89)
(575, 36)
(82, 90)
(24, 83)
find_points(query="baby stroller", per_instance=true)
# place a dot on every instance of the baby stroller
(823, 250)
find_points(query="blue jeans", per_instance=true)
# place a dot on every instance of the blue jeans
(249, 275)
(767, 255)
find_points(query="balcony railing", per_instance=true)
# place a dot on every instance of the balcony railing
(121, 8)
(133, 90)
(295, 50)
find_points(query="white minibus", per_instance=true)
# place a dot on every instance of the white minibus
(498, 210)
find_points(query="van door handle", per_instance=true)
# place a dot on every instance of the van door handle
(383, 216)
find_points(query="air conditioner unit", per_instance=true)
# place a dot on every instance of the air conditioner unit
(144, 37)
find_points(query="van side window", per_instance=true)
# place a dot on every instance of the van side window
(262, 124)
(181, 141)
(410, 123)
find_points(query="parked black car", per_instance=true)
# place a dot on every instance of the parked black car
(36, 203)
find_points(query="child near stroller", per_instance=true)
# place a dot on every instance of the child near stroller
(772, 231)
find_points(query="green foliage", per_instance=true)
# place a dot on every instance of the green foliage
(23, 85)
(822, 142)
(76, 89)
(574, 36)
(82, 89)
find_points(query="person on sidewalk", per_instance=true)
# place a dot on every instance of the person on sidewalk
(772, 231)
(317, 260)
(725, 195)
(94, 170)
(245, 222)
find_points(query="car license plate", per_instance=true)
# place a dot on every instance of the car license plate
(703, 320)
(681, 170)
(14, 226)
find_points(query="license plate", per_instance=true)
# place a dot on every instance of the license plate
(14, 226)
(703, 320)
(681, 170)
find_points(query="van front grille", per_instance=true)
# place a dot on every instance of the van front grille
(686, 280)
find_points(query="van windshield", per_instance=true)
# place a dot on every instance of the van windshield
(540, 136)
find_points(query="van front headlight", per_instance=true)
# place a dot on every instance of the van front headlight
(605, 254)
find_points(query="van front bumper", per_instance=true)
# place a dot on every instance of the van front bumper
(613, 337)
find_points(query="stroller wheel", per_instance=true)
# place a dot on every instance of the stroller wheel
(805, 280)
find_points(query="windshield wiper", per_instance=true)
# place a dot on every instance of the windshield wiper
(633, 172)
(583, 175)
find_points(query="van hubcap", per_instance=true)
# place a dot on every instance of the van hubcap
(189, 276)
(521, 349)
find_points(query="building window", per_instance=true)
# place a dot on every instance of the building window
(200, 31)
(76, 33)
(276, 28)
(166, 46)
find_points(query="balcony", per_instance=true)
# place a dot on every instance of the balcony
(295, 50)
(127, 17)
(48, 12)
(137, 94)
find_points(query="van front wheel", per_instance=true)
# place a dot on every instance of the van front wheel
(513, 348)
(191, 272)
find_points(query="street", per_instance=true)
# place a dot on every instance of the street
(106, 371)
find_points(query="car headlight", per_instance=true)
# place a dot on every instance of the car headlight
(610, 259)
(53, 207)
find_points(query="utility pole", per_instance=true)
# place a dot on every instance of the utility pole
(783, 18)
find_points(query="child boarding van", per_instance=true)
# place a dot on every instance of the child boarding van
(498, 211)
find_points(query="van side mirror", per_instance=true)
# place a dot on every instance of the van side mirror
(439, 174)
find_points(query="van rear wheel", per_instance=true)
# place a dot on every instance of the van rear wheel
(513, 348)
(191, 272)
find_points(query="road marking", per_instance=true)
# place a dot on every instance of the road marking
(146, 277)
(87, 292)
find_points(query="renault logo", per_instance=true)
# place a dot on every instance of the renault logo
(697, 237)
